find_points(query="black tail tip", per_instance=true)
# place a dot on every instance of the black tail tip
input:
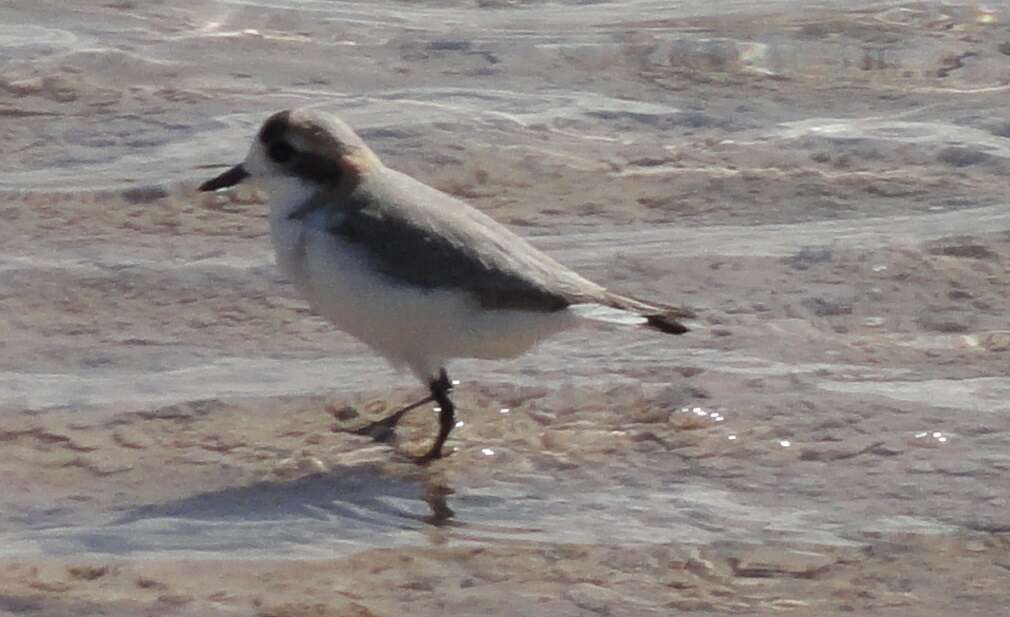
(666, 323)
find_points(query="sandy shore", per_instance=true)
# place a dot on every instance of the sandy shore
(242, 478)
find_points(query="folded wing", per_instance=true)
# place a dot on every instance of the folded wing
(422, 237)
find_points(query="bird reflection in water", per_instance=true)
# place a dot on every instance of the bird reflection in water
(436, 493)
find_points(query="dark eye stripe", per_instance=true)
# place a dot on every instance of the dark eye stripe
(316, 168)
(280, 152)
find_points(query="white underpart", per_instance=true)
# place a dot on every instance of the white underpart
(608, 314)
(411, 327)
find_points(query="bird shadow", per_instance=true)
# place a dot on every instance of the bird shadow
(362, 494)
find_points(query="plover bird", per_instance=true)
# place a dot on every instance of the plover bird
(418, 275)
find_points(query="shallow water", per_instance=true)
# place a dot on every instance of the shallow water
(825, 185)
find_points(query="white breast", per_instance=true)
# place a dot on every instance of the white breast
(288, 236)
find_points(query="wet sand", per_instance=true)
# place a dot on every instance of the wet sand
(827, 188)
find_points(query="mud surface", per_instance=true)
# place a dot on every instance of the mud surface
(826, 187)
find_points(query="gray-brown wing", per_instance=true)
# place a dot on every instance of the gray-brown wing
(423, 237)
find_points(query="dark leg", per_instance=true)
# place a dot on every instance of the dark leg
(444, 381)
(382, 430)
(440, 389)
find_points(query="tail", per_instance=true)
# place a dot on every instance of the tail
(667, 322)
(614, 308)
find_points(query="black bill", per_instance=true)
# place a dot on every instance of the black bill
(229, 178)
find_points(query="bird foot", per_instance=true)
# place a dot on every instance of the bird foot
(384, 430)
(381, 431)
(428, 457)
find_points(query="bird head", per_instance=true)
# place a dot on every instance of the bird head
(304, 145)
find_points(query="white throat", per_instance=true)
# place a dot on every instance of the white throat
(289, 235)
(286, 194)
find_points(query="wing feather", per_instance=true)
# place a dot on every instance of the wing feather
(422, 237)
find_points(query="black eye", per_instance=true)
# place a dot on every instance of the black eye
(280, 152)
